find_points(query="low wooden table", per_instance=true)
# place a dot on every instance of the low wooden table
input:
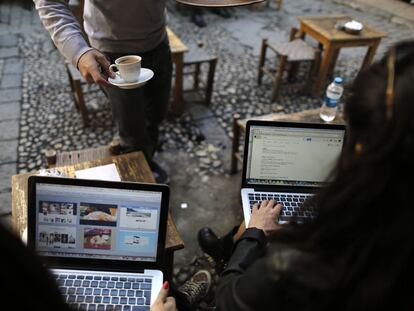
(322, 29)
(239, 127)
(131, 167)
(178, 48)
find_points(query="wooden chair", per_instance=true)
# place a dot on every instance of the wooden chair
(293, 52)
(76, 81)
(194, 59)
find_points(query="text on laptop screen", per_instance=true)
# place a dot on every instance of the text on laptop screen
(291, 156)
(98, 223)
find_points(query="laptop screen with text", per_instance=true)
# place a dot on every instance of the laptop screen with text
(99, 223)
(291, 156)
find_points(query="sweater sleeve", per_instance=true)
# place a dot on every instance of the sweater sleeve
(260, 287)
(63, 28)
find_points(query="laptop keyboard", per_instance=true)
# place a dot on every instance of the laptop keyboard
(105, 293)
(293, 208)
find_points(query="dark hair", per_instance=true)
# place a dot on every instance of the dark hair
(26, 284)
(364, 228)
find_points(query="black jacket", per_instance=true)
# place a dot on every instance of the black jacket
(262, 276)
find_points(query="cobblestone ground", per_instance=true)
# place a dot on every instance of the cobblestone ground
(37, 111)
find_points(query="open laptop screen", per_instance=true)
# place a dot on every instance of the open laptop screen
(75, 221)
(291, 155)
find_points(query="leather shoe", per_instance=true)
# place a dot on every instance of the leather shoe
(198, 20)
(210, 243)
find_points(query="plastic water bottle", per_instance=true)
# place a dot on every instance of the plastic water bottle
(330, 104)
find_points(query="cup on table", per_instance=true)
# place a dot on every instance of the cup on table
(128, 67)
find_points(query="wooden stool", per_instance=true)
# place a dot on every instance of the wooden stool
(197, 56)
(294, 51)
(76, 80)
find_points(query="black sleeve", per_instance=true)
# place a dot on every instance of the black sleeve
(246, 250)
(271, 277)
(257, 288)
(238, 289)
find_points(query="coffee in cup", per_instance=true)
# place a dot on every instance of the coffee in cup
(128, 67)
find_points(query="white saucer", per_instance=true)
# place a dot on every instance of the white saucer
(145, 75)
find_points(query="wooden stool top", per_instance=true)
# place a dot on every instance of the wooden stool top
(296, 50)
(197, 54)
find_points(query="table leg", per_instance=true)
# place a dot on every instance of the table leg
(178, 103)
(329, 52)
(370, 55)
(235, 144)
(168, 265)
(332, 64)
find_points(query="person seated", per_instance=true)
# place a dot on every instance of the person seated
(28, 285)
(197, 17)
(358, 252)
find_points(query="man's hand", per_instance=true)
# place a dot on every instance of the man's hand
(266, 216)
(163, 302)
(94, 68)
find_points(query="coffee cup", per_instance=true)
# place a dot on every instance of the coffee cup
(128, 67)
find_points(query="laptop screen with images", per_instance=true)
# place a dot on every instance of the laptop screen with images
(291, 156)
(99, 223)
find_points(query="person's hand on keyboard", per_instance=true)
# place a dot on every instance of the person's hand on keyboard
(266, 216)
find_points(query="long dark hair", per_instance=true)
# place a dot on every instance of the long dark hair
(364, 228)
(26, 284)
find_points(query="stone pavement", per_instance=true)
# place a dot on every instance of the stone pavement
(37, 112)
(13, 20)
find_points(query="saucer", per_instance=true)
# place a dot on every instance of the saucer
(145, 75)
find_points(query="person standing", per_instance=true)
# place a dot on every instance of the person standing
(114, 29)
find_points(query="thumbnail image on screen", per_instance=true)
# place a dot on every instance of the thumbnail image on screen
(98, 214)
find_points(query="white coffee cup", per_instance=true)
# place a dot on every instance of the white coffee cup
(128, 67)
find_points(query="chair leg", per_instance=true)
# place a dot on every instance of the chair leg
(314, 69)
(196, 76)
(72, 87)
(293, 33)
(81, 102)
(210, 80)
(279, 76)
(262, 61)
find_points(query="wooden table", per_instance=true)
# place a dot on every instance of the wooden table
(239, 127)
(178, 48)
(131, 167)
(322, 29)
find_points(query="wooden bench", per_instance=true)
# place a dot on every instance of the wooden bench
(239, 127)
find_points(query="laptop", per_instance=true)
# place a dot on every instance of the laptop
(288, 162)
(102, 240)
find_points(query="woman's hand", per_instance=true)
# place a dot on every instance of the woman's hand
(163, 302)
(266, 216)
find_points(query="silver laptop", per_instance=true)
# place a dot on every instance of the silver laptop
(288, 162)
(104, 241)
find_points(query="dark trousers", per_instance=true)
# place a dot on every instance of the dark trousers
(138, 112)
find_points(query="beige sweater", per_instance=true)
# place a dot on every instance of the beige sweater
(120, 26)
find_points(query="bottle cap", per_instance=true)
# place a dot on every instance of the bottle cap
(338, 80)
